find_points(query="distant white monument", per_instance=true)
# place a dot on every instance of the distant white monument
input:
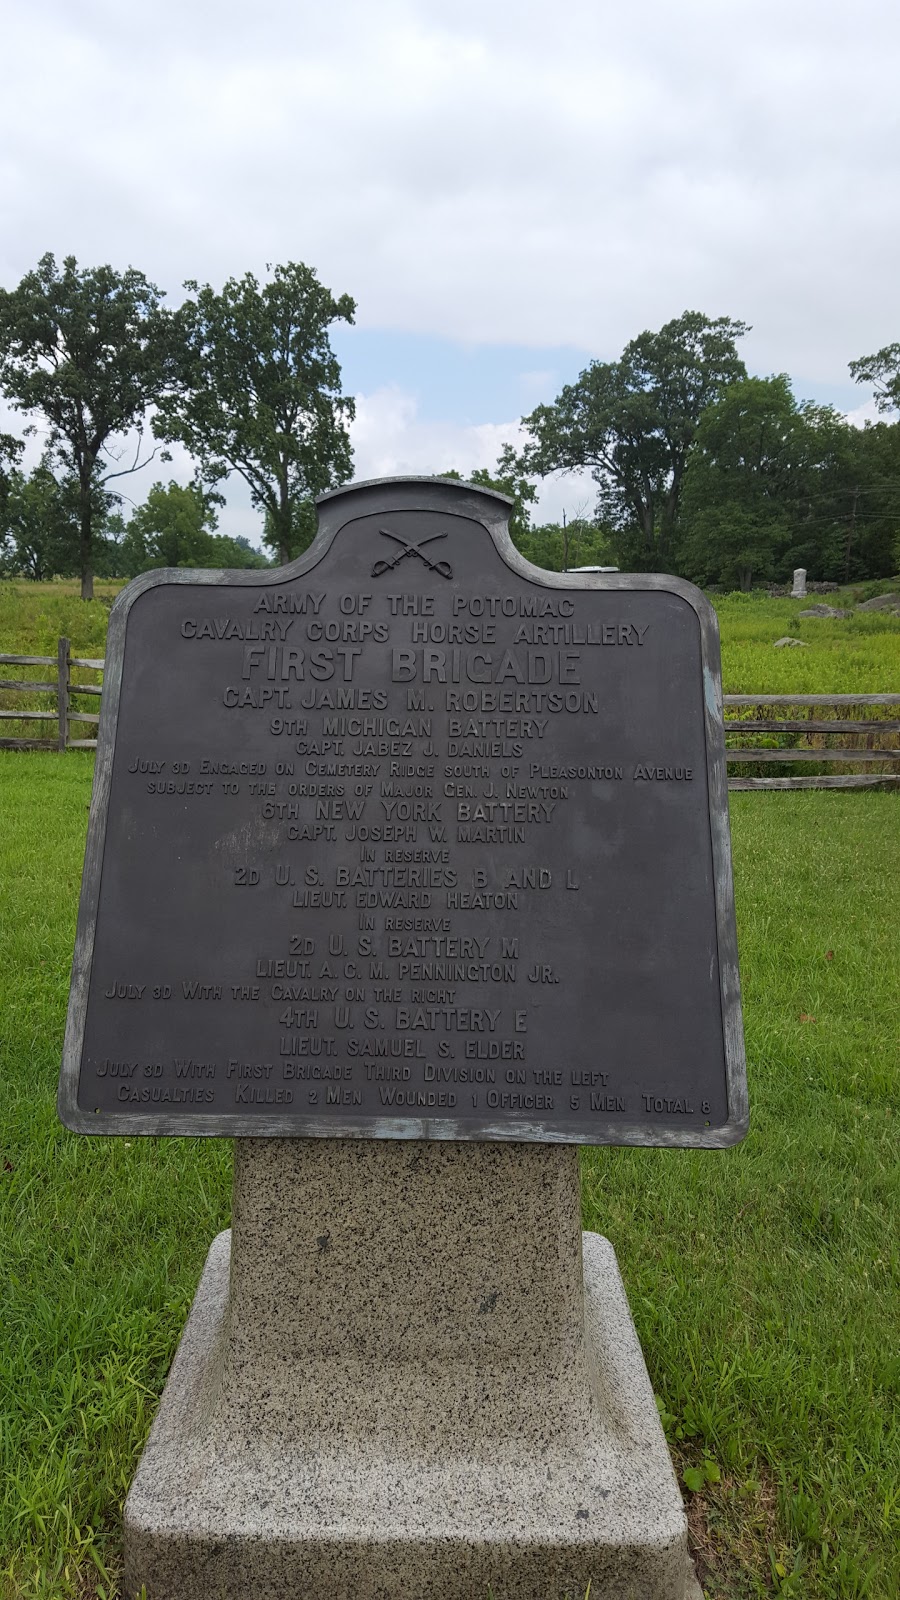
(799, 590)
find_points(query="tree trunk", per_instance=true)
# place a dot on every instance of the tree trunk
(284, 524)
(85, 544)
(647, 520)
(745, 579)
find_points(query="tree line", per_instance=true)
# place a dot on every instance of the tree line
(724, 478)
(698, 468)
(244, 379)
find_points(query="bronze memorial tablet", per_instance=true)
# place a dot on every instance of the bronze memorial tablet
(409, 839)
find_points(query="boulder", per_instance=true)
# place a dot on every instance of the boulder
(787, 640)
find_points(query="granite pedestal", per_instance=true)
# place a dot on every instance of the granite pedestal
(407, 1375)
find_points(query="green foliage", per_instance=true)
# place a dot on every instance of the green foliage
(238, 553)
(85, 1334)
(632, 423)
(10, 453)
(762, 484)
(554, 546)
(257, 391)
(40, 526)
(772, 485)
(882, 371)
(697, 1478)
(33, 616)
(558, 546)
(304, 521)
(87, 350)
(860, 653)
(507, 478)
(175, 528)
(870, 542)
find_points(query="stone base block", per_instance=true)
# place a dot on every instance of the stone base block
(228, 1505)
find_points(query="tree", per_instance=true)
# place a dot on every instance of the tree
(560, 546)
(766, 486)
(632, 423)
(39, 525)
(882, 371)
(246, 556)
(10, 451)
(88, 351)
(258, 392)
(506, 478)
(175, 527)
(869, 546)
(304, 521)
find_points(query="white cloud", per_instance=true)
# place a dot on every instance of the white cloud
(509, 173)
(868, 412)
(389, 439)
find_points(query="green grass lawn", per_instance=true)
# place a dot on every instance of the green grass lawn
(856, 654)
(764, 1280)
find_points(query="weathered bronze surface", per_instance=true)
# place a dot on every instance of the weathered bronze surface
(409, 839)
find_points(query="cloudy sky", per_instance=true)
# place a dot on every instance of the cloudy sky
(508, 188)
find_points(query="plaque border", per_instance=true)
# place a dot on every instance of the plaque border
(335, 509)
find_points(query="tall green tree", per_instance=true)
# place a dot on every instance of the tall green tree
(882, 371)
(766, 486)
(87, 350)
(10, 453)
(506, 478)
(258, 392)
(560, 546)
(175, 527)
(879, 447)
(304, 521)
(632, 422)
(869, 543)
(40, 525)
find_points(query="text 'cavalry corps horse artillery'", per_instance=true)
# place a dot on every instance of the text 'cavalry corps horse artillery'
(427, 847)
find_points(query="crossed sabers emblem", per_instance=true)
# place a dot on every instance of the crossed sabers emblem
(412, 547)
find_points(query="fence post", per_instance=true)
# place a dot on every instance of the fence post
(62, 691)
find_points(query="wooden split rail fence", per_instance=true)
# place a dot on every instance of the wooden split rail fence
(876, 735)
(64, 690)
(868, 730)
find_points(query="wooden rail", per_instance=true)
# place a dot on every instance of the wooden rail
(873, 729)
(878, 732)
(64, 691)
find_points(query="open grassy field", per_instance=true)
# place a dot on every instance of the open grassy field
(34, 615)
(765, 1281)
(858, 652)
